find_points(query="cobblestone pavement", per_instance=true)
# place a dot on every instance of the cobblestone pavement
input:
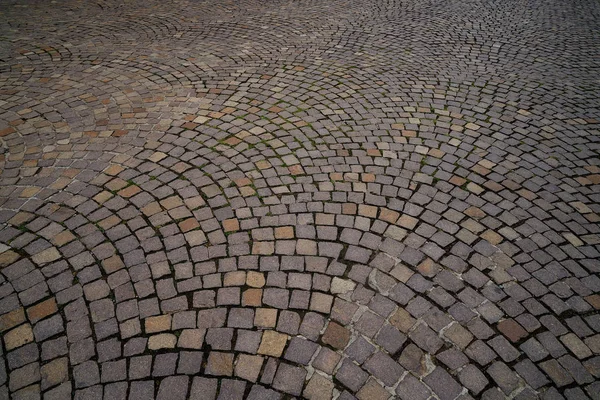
(319, 199)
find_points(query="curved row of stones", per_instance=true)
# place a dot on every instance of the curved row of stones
(264, 200)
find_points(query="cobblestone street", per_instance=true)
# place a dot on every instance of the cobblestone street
(320, 199)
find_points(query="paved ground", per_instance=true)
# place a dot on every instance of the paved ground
(268, 199)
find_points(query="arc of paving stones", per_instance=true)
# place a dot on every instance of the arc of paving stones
(90, 292)
(348, 370)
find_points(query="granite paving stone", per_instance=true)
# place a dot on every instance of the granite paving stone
(277, 199)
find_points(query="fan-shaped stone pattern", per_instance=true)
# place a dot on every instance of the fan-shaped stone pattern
(340, 199)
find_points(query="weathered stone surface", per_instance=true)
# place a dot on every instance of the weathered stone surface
(360, 200)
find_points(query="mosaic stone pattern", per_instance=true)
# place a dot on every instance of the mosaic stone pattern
(349, 199)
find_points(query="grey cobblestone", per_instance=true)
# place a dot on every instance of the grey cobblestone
(308, 199)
